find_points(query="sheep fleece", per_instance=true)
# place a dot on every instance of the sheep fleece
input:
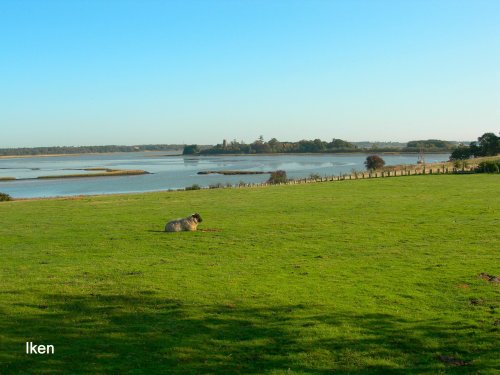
(189, 223)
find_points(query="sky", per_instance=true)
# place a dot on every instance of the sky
(149, 72)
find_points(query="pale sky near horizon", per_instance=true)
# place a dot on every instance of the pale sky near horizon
(146, 72)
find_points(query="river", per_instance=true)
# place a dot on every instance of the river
(169, 171)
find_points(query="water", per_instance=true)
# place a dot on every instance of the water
(169, 171)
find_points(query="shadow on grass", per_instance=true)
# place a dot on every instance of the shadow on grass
(144, 334)
(199, 230)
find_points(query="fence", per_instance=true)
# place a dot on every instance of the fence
(423, 170)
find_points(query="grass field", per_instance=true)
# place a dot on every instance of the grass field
(366, 276)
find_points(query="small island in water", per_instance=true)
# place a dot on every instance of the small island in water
(232, 173)
(99, 172)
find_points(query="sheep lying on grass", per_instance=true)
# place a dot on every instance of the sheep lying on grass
(190, 223)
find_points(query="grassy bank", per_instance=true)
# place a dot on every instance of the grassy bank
(366, 276)
(467, 164)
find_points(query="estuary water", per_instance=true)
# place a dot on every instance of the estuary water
(169, 171)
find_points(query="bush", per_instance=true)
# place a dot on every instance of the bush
(193, 187)
(460, 164)
(373, 162)
(314, 176)
(190, 150)
(461, 153)
(277, 177)
(489, 166)
(5, 197)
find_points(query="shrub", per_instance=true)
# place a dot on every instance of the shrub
(461, 153)
(489, 166)
(193, 187)
(5, 197)
(460, 164)
(190, 150)
(277, 177)
(373, 162)
(314, 176)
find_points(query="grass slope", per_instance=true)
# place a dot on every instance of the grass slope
(367, 276)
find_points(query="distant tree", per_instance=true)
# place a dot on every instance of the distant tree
(190, 150)
(306, 146)
(277, 177)
(260, 146)
(489, 144)
(319, 145)
(275, 145)
(461, 153)
(373, 162)
(5, 197)
(430, 144)
(340, 144)
(475, 150)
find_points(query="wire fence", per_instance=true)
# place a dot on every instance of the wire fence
(354, 175)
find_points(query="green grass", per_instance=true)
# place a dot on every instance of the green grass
(366, 276)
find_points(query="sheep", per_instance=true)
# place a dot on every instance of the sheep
(187, 224)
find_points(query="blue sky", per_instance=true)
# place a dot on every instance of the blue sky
(139, 72)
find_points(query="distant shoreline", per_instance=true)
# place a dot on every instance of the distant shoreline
(366, 152)
(197, 155)
(56, 155)
(78, 154)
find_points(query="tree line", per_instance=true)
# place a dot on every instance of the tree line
(429, 145)
(487, 145)
(57, 150)
(260, 146)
